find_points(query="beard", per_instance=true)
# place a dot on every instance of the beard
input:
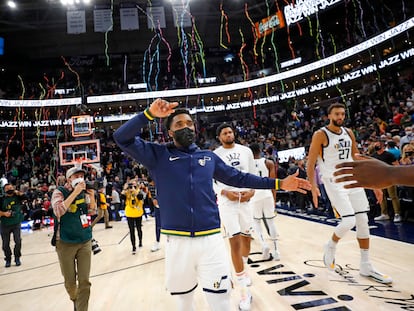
(338, 123)
(228, 142)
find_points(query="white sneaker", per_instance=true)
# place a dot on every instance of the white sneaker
(155, 247)
(245, 301)
(382, 217)
(276, 255)
(266, 252)
(368, 270)
(329, 257)
(397, 218)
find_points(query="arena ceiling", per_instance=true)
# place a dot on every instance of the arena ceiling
(38, 28)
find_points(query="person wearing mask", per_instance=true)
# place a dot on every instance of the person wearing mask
(11, 219)
(383, 155)
(102, 209)
(331, 145)
(71, 205)
(195, 250)
(407, 155)
(407, 138)
(134, 209)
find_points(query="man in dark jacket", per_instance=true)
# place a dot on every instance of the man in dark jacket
(11, 219)
(183, 174)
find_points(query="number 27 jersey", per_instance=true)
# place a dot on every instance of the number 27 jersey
(338, 149)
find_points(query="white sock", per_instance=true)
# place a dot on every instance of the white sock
(241, 278)
(332, 243)
(364, 255)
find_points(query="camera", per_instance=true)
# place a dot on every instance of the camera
(94, 185)
(130, 186)
(95, 247)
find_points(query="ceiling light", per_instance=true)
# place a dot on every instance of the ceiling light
(11, 4)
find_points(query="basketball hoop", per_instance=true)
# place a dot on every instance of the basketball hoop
(78, 163)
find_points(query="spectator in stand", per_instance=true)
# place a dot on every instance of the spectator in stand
(392, 148)
(391, 191)
(407, 155)
(408, 137)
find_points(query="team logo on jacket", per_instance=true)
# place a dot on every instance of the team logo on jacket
(202, 161)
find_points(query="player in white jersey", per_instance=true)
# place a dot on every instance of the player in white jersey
(236, 212)
(330, 146)
(263, 203)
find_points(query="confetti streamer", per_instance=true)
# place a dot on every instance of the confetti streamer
(168, 47)
(106, 33)
(348, 34)
(254, 32)
(124, 70)
(200, 49)
(224, 23)
(79, 85)
(52, 87)
(243, 64)
(319, 42)
(375, 17)
(361, 23)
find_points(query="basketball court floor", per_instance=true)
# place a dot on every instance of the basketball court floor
(122, 281)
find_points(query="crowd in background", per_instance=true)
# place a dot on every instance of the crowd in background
(383, 113)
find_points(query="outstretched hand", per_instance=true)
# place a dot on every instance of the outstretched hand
(161, 108)
(294, 183)
(367, 173)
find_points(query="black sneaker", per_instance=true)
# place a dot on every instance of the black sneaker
(134, 250)
(8, 263)
(18, 263)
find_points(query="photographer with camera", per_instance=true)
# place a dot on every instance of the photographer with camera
(134, 209)
(102, 208)
(71, 204)
(11, 219)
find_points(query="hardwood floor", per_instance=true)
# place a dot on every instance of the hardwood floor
(122, 281)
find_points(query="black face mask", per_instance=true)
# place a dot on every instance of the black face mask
(10, 192)
(377, 148)
(184, 137)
